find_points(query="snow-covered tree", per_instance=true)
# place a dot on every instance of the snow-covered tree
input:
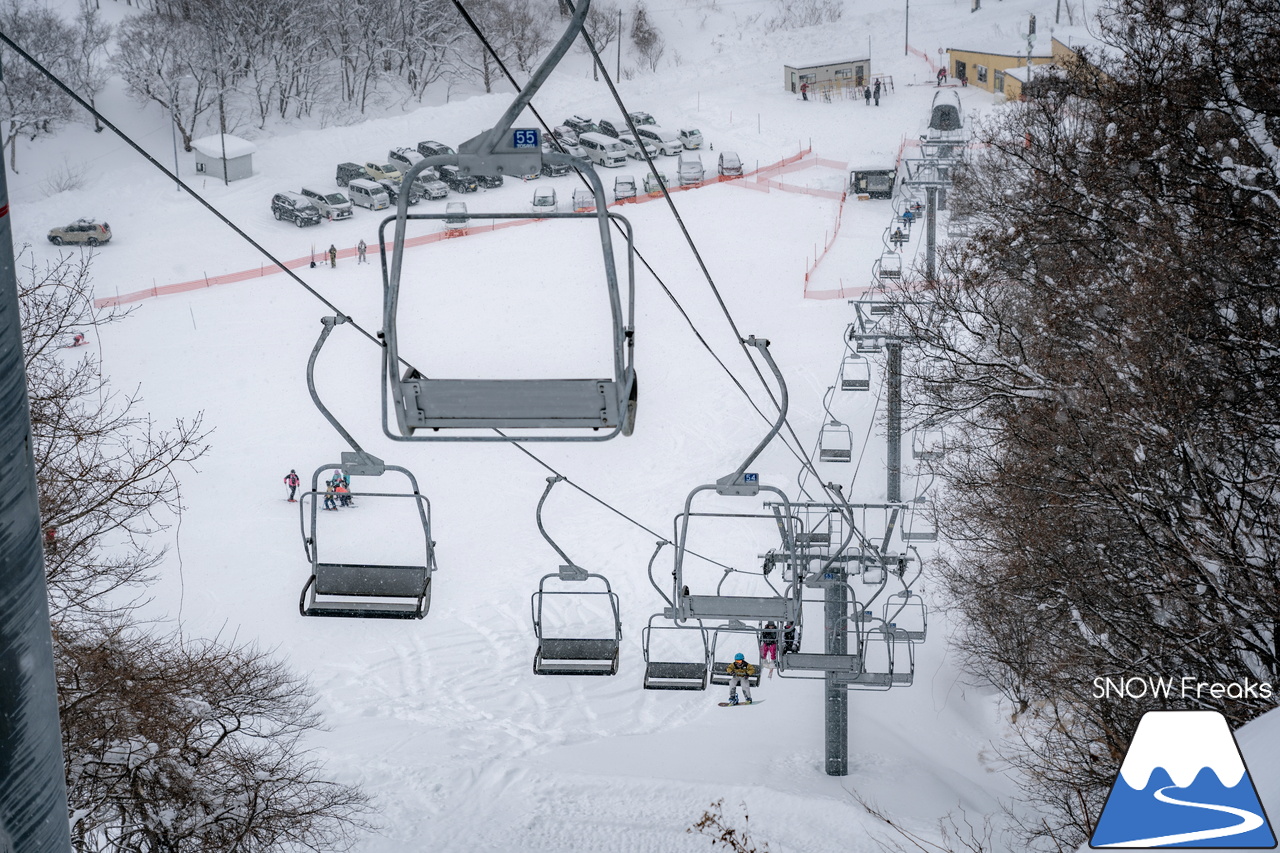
(30, 104)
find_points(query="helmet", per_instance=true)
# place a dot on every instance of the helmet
(739, 656)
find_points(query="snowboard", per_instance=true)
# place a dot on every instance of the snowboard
(740, 704)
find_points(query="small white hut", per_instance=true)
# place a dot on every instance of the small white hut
(209, 154)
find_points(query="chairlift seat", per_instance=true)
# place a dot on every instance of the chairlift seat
(864, 679)
(720, 674)
(354, 581)
(673, 675)
(855, 374)
(508, 403)
(737, 607)
(576, 657)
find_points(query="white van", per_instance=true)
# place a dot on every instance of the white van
(689, 168)
(331, 205)
(366, 193)
(602, 149)
(664, 140)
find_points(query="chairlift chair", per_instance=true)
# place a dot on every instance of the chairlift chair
(919, 524)
(562, 655)
(835, 443)
(906, 616)
(688, 671)
(365, 590)
(425, 405)
(889, 267)
(855, 374)
(927, 444)
(722, 650)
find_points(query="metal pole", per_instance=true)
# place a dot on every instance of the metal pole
(906, 39)
(893, 377)
(931, 235)
(618, 72)
(835, 611)
(33, 794)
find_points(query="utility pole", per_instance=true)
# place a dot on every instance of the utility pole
(618, 72)
(893, 419)
(173, 117)
(33, 793)
(906, 26)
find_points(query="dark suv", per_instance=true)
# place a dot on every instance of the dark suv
(295, 208)
(489, 182)
(457, 180)
(348, 172)
(392, 186)
(431, 148)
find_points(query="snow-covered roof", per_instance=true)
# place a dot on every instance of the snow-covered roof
(210, 146)
(827, 62)
(1001, 43)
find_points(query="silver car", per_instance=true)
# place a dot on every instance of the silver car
(633, 147)
(87, 231)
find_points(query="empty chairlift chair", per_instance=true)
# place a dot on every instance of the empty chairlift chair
(835, 443)
(919, 524)
(855, 374)
(541, 409)
(888, 267)
(558, 653)
(928, 444)
(365, 590)
(676, 657)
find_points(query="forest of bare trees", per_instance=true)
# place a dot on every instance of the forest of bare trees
(1103, 353)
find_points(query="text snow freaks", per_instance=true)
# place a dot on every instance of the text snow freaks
(1186, 687)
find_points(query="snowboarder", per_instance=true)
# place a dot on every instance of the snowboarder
(769, 646)
(291, 480)
(361, 248)
(740, 673)
(804, 91)
(867, 92)
(333, 256)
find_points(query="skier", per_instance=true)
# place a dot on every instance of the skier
(78, 339)
(291, 480)
(343, 493)
(789, 643)
(898, 238)
(740, 673)
(867, 93)
(942, 75)
(361, 247)
(908, 217)
(804, 91)
(330, 494)
(333, 256)
(769, 646)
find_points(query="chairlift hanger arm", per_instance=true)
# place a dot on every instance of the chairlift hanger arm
(551, 483)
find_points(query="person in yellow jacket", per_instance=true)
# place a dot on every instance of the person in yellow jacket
(740, 673)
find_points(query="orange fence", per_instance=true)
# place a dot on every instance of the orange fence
(762, 182)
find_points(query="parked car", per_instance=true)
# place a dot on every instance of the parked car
(431, 148)
(689, 168)
(651, 185)
(552, 170)
(691, 137)
(664, 140)
(331, 205)
(564, 133)
(366, 193)
(88, 231)
(544, 200)
(612, 127)
(296, 208)
(456, 215)
(634, 146)
(489, 182)
(571, 147)
(581, 125)
(430, 186)
(604, 150)
(641, 118)
(730, 164)
(379, 171)
(458, 181)
(583, 200)
(348, 172)
(393, 187)
(403, 158)
(624, 186)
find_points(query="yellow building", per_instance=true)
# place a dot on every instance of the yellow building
(1002, 66)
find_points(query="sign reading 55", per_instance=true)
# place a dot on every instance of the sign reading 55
(525, 138)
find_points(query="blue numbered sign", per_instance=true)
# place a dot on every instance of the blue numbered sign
(750, 478)
(525, 138)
